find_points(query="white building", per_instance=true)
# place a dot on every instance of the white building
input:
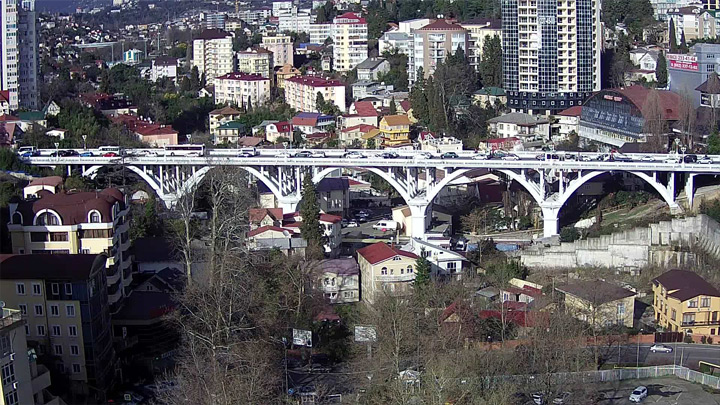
(301, 92)
(19, 53)
(164, 67)
(350, 41)
(339, 280)
(370, 68)
(320, 32)
(255, 61)
(443, 262)
(567, 122)
(644, 58)
(443, 144)
(213, 53)
(295, 20)
(132, 56)
(242, 89)
(520, 125)
(432, 44)
(395, 41)
(551, 62)
(282, 48)
(281, 6)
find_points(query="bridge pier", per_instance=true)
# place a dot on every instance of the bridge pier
(551, 220)
(690, 190)
(289, 203)
(418, 220)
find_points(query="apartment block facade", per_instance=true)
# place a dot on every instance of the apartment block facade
(301, 92)
(213, 53)
(282, 48)
(433, 43)
(78, 223)
(242, 89)
(350, 41)
(478, 30)
(255, 61)
(19, 53)
(551, 53)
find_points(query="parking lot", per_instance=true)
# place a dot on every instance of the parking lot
(667, 391)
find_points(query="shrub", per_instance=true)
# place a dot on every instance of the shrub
(709, 340)
(569, 234)
(688, 339)
(703, 339)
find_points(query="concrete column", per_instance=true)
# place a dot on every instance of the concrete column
(418, 217)
(561, 180)
(162, 180)
(542, 183)
(289, 204)
(690, 189)
(551, 217)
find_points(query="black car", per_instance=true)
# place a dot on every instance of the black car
(449, 155)
(303, 154)
(389, 155)
(690, 158)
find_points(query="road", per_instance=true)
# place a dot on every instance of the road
(685, 354)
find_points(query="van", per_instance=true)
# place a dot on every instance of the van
(24, 149)
(550, 156)
(385, 225)
(115, 149)
(248, 152)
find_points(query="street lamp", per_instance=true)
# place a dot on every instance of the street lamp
(189, 136)
(683, 149)
(84, 137)
(57, 152)
(637, 361)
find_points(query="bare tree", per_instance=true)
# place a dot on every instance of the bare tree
(185, 230)
(686, 120)
(655, 125)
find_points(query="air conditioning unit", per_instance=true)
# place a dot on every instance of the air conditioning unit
(12, 356)
(15, 385)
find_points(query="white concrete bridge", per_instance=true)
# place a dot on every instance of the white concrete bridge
(550, 182)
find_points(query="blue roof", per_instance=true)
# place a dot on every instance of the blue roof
(308, 115)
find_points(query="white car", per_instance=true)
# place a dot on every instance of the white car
(705, 160)
(354, 155)
(639, 394)
(284, 155)
(424, 155)
(511, 156)
(647, 158)
(318, 154)
(352, 224)
(481, 156)
(661, 348)
(673, 159)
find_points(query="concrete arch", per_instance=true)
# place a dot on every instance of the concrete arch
(523, 181)
(574, 185)
(432, 193)
(404, 193)
(667, 193)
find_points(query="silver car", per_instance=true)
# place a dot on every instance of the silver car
(661, 348)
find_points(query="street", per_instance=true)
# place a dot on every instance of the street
(686, 354)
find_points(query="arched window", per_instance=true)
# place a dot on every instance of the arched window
(409, 269)
(95, 217)
(47, 218)
(383, 271)
(17, 218)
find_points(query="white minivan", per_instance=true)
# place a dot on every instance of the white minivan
(386, 225)
(248, 152)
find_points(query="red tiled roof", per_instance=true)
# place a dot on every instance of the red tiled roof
(572, 111)
(283, 126)
(378, 252)
(5, 95)
(154, 129)
(6, 117)
(258, 214)
(669, 101)
(441, 25)
(304, 121)
(266, 228)
(330, 218)
(248, 141)
(242, 77)
(356, 19)
(47, 181)
(364, 128)
(365, 109)
(314, 81)
(405, 104)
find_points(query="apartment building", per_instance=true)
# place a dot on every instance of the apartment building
(692, 22)
(283, 73)
(242, 89)
(164, 67)
(320, 32)
(301, 92)
(433, 43)
(551, 55)
(256, 61)
(395, 130)
(385, 270)
(350, 41)
(478, 30)
(213, 53)
(19, 65)
(282, 48)
(684, 302)
(23, 380)
(78, 223)
(294, 20)
(63, 300)
(401, 39)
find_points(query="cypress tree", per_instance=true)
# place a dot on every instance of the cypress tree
(311, 229)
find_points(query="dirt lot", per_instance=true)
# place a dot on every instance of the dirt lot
(660, 391)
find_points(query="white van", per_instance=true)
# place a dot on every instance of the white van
(386, 225)
(248, 152)
(114, 149)
(24, 149)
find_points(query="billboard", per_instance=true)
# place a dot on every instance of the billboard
(365, 333)
(683, 62)
(302, 337)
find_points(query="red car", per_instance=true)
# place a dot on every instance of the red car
(110, 154)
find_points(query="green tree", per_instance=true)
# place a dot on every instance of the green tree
(393, 107)
(76, 183)
(320, 102)
(423, 269)
(311, 229)
(569, 234)
(673, 37)
(491, 64)
(661, 72)
(713, 147)
(397, 75)
(683, 43)
(419, 97)
(370, 144)
(195, 79)
(326, 13)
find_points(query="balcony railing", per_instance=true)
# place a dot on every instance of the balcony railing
(399, 277)
(42, 380)
(701, 323)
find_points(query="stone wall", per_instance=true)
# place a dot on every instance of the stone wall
(668, 243)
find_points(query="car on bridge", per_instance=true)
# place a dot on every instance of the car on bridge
(388, 155)
(481, 156)
(110, 154)
(661, 348)
(248, 152)
(449, 155)
(690, 158)
(87, 154)
(672, 159)
(502, 155)
(353, 155)
(705, 160)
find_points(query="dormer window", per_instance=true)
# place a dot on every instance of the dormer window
(95, 217)
(47, 218)
(17, 218)
(396, 258)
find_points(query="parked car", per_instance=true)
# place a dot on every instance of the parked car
(660, 348)
(481, 156)
(318, 154)
(705, 160)
(424, 155)
(110, 154)
(248, 152)
(510, 156)
(389, 155)
(303, 154)
(690, 158)
(352, 224)
(550, 156)
(647, 158)
(284, 154)
(449, 155)
(561, 398)
(28, 154)
(353, 155)
(538, 398)
(87, 154)
(672, 159)
(638, 394)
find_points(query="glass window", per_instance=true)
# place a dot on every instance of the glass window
(76, 368)
(5, 346)
(55, 288)
(36, 289)
(705, 302)
(58, 350)
(693, 303)
(56, 330)
(23, 309)
(70, 310)
(8, 374)
(74, 350)
(11, 398)
(41, 330)
(72, 330)
(95, 217)
(68, 288)
(20, 288)
(38, 310)
(383, 271)
(54, 310)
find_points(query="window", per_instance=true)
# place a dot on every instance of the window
(55, 330)
(20, 288)
(621, 309)
(41, 330)
(673, 315)
(58, 350)
(383, 271)
(451, 265)
(38, 310)
(68, 288)
(95, 217)
(55, 288)
(70, 310)
(76, 368)
(47, 218)
(8, 374)
(36, 289)
(11, 398)
(5, 346)
(72, 330)
(23, 309)
(27, 330)
(396, 258)
(38, 236)
(75, 350)
(692, 303)
(58, 236)
(348, 294)
(688, 319)
(54, 310)
(705, 302)
(409, 269)
(402, 271)
(392, 272)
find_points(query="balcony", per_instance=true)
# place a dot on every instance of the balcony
(399, 277)
(42, 380)
(700, 323)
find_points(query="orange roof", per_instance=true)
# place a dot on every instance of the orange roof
(258, 214)
(441, 25)
(380, 251)
(393, 120)
(225, 111)
(47, 181)
(572, 111)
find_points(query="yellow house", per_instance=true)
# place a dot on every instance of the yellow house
(385, 270)
(395, 130)
(599, 303)
(684, 302)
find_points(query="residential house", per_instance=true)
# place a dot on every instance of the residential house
(334, 195)
(599, 303)
(52, 109)
(154, 254)
(521, 292)
(566, 122)
(489, 96)
(229, 133)
(310, 123)
(285, 234)
(51, 184)
(260, 217)
(301, 92)
(520, 125)
(443, 262)
(213, 53)
(692, 22)
(443, 144)
(24, 381)
(57, 132)
(354, 135)
(155, 135)
(221, 116)
(320, 32)
(5, 102)
(64, 301)
(284, 73)
(77, 223)
(281, 47)
(30, 120)
(385, 270)
(685, 302)
(132, 56)
(294, 20)
(371, 68)
(276, 130)
(255, 61)
(242, 90)
(395, 41)
(109, 105)
(360, 113)
(395, 130)
(339, 280)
